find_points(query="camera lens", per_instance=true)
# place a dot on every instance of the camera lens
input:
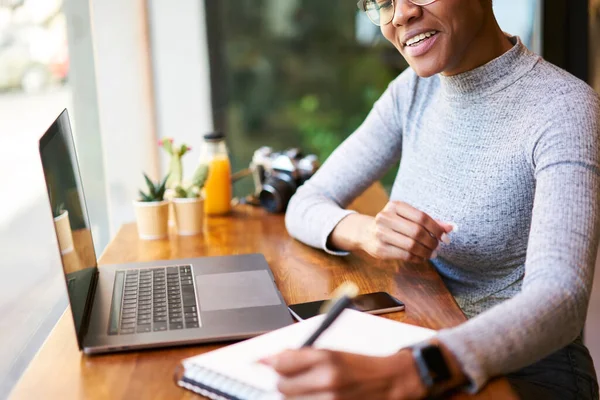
(277, 192)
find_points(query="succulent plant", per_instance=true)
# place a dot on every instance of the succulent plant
(175, 165)
(191, 192)
(156, 191)
(200, 176)
(58, 210)
(195, 189)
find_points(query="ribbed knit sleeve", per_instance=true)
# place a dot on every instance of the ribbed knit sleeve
(363, 158)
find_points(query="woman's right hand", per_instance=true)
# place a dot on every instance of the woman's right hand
(402, 232)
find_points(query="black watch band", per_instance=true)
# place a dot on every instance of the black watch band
(431, 365)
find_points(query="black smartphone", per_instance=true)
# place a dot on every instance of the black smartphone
(371, 303)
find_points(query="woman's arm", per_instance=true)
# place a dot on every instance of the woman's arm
(551, 309)
(318, 205)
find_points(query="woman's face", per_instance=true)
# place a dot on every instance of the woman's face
(452, 27)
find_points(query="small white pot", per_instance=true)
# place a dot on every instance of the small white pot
(63, 232)
(189, 215)
(152, 219)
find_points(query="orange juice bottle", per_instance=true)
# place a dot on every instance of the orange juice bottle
(217, 189)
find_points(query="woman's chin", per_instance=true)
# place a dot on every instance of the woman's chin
(425, 68)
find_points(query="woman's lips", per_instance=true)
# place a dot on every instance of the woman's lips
(422, 47)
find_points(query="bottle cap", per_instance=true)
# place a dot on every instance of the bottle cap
(214, 136)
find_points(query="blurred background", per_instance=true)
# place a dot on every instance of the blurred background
(281, 73)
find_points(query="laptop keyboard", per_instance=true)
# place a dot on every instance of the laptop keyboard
(154, 300)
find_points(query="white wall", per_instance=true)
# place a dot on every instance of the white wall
(181, 73)
(83, 111)
(125, 102)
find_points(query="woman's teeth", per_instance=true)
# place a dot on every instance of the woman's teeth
(419, 38)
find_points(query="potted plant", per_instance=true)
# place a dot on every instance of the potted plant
(152, 211)
(63, 229)
(188, 204)
(176, 153)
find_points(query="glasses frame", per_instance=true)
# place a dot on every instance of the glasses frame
(362, 6)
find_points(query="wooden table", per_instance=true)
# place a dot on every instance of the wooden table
(302, 274)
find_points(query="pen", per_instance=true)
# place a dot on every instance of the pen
(344, 294)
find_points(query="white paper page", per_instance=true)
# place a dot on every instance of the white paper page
(353, 332)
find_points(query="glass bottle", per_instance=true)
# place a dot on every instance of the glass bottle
(217, 188)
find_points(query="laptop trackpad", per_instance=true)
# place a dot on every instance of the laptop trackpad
(236, 290)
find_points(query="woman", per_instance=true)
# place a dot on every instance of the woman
(502, 145)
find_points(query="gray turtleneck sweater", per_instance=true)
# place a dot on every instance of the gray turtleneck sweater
(510, 152)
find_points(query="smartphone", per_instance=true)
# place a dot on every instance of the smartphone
(371, 303)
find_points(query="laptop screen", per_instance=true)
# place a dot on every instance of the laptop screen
(71, 221)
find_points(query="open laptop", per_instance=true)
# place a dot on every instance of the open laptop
(151, 304)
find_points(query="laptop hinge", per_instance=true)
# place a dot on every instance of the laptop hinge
(89, 303)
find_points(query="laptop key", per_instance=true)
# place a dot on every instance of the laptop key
(144, 328)
(176, 325)
(189, 300)
(159, 326)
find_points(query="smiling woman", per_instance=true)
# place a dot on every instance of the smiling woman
(482, 149)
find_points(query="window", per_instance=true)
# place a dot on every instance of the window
(36, 84)
(289, 73)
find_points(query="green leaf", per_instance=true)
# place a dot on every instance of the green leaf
(151, 186)
(144, 196)
(200, 175)
(193, 192)
(160, 192)
(180, 192)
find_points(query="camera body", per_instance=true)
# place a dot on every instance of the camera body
(277, 175)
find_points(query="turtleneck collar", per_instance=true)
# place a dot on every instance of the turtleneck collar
(492, 77)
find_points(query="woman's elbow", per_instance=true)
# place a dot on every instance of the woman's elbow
(292, 217)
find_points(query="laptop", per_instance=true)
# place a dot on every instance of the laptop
(149, 304)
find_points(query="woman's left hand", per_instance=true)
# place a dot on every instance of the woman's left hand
(313, 374)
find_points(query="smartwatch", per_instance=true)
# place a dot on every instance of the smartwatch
(431, 364)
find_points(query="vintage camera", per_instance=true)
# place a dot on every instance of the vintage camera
(277, 175)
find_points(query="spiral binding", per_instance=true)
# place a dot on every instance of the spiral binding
(217, 386)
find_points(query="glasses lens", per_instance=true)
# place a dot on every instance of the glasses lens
(381, 12)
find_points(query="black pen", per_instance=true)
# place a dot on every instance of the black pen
(345, 293)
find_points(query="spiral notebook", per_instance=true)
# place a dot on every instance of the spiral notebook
(233, 373)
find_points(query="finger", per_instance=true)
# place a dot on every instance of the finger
(293, 362)
(408, 228)
(388, 252)
(419, 217)
(321, 379)
(447, 226)
(403, 242)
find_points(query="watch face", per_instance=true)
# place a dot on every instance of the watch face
(438, 369)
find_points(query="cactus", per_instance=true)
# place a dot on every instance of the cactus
(156, 191)
(200, 176)
(192, 192)
(175, 165)
(195, 189)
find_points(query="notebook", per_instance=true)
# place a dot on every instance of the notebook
(233, 373)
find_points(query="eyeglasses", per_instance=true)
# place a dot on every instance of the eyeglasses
(381, 12)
